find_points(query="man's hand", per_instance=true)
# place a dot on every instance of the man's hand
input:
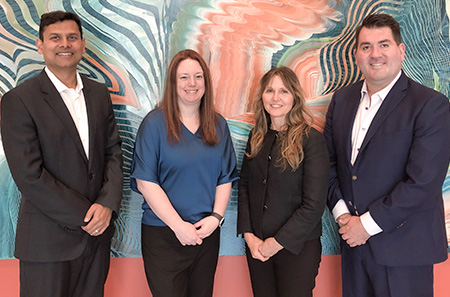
(98, 218)
(342, 220)
(353, 231)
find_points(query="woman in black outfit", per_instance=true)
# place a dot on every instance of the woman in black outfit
(282, 190)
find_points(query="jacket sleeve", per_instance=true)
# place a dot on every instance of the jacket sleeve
(243, 222)
(334, 191)
(111, 192)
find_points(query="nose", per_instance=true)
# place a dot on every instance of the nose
(276, 96)
(375, 52)
(191, 80)
(64, 42)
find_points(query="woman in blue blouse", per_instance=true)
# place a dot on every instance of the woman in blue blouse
(183, 164)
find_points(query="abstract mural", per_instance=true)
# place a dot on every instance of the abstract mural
(130, 42)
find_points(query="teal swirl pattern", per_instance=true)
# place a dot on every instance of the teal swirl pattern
(129, 44)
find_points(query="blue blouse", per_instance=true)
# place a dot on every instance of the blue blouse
(188, 171)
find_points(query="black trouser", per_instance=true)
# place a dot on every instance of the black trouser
(174, 270)
(286, 274)
(82, 277)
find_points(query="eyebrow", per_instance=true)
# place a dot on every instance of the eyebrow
(379, 42)
(68, 34)
(184, 73)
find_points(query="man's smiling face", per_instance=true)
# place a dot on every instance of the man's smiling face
(378, 57)
(62, 46)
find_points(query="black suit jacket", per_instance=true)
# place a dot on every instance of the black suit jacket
(58, 182)
(399, 171)
(287, 205)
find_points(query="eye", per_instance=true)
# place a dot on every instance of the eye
(268, 90)
(183, 77)
(199, 76)
(365, 47)
(384, 45)
(283, 91)
(54, 38)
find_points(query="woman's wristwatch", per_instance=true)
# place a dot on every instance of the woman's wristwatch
(219, 217)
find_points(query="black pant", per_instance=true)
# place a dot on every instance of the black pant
(82, 277)
(174, 270)
(286, 274)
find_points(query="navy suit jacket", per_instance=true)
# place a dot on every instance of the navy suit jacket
(58, 182)
(399, 171)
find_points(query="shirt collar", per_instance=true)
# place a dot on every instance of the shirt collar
(60, 87)
(382, 94)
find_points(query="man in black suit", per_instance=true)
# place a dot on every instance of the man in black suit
(64, 152)
(389, 144)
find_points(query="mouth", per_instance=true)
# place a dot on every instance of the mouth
(191, 91)
(276, 105)
(376, 64)
(64, 54)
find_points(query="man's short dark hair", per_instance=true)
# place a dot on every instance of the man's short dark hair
(378, 21)
(55, 17)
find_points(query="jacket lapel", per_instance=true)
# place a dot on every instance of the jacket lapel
(91, 112)
(55, 101)
(395, 96)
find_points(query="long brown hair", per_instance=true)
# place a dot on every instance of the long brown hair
(208, 116)
(298, 120)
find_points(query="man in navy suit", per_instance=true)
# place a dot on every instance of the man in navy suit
(389, 144)
(64, 152)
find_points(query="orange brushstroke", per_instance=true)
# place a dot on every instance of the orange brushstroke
(130, 97)
(242, 38)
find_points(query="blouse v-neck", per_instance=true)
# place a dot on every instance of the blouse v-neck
(188, 130)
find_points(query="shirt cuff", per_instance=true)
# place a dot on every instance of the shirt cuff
(369, 224)
(339, 209)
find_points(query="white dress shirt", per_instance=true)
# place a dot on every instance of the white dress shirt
(76, 104)
(367, 109)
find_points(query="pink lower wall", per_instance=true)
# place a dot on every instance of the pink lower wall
(126, 278)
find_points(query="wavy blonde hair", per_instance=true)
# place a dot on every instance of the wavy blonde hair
(298, 120)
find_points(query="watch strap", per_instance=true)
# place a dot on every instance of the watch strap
(219, 217)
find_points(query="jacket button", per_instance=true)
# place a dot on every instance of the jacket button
(354, 177)
(265, 207)
(264, 181)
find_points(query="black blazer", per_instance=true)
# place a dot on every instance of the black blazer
(287, 205)
(57, 181)
(399, 171)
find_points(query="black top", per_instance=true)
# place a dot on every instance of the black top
(287, 205)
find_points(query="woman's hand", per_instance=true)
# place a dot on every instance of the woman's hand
(186, 234)
(206, 226)
(253, 244)
(270, 247)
